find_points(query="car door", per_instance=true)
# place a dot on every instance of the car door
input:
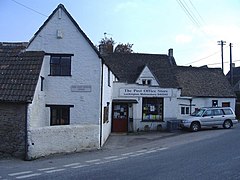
(207, 118)
(218, 116)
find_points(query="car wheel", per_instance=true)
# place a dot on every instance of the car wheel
(227, 124)
(195, 126)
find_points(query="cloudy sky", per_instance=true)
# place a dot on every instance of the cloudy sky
(191, 27)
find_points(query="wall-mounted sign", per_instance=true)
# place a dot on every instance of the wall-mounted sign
(150, 92)
(81, 88)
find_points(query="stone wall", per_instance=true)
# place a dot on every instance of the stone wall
(12, 130)
(44, 141)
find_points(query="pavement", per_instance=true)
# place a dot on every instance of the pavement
(127, 140)
(124, 140)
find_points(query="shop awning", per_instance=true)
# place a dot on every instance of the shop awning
(130, 101)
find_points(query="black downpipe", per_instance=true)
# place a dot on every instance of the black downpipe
(26, 132)
(101, 99)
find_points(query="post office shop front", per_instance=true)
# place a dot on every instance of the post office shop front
(142, 108)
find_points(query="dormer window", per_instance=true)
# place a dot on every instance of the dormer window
(146, 81)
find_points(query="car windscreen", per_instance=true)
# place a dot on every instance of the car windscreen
(198, 112)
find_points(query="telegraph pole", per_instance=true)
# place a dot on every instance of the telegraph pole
(222, 43)
(231, 69)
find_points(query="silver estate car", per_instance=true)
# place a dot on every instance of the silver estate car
(210, 117)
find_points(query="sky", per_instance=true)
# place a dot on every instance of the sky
(192, 28)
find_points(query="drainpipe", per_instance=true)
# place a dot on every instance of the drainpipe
(26, 132)
(101, 100)
(190, 106)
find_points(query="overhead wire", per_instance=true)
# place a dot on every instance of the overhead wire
(204, 58)
(197, 12)
(29, 8)
(188, 13)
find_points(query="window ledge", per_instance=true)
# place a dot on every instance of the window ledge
(152, 121)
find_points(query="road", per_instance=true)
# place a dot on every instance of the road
(208, 154)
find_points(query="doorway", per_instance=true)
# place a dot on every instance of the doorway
(120, 117)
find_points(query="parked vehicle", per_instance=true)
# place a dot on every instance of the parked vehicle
(210, 117)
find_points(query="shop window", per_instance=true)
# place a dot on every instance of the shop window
(152, 109)
(60, 65)
(59, 114)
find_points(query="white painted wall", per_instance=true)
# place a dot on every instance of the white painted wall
(58, 139)
(107, 98)
(202, 102)
(170, 106)
(86, 69)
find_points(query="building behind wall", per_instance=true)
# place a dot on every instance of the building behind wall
(152, 90)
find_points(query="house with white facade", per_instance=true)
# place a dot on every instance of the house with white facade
(68, 107)
(152, 90)
(69, 111)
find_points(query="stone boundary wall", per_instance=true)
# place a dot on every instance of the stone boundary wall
(61, 139)
(12, 130)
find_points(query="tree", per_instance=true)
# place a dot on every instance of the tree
(106, 46)
(106, 41)
(123, 48)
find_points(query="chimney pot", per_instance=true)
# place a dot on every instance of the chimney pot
(170, 52)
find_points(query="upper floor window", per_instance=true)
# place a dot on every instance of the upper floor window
(60, 65)
(146, 81)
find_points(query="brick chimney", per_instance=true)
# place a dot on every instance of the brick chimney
(105, 49)
(171, 58)
(170, 52)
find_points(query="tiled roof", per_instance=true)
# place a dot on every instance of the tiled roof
(128, 67)
(203, 82)
(236, 75)
(194, 82)
(19, 72)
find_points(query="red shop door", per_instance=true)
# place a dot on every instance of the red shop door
(120, 118)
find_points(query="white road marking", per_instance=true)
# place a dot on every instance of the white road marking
(73, 164)
(161, 149)
(118, 159)
(110, 157)
(103, 162)
(150, 151)
(238, 157)
(20, 173)
(139, 154)
(54, 170)
(140, 151)
(80, 166)
(94, 160)
(126, 154)
(27, 176)
(45, 169)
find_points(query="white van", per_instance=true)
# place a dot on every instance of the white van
(210, 117)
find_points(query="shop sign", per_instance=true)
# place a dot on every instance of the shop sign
(81, 88)
(150, 92)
